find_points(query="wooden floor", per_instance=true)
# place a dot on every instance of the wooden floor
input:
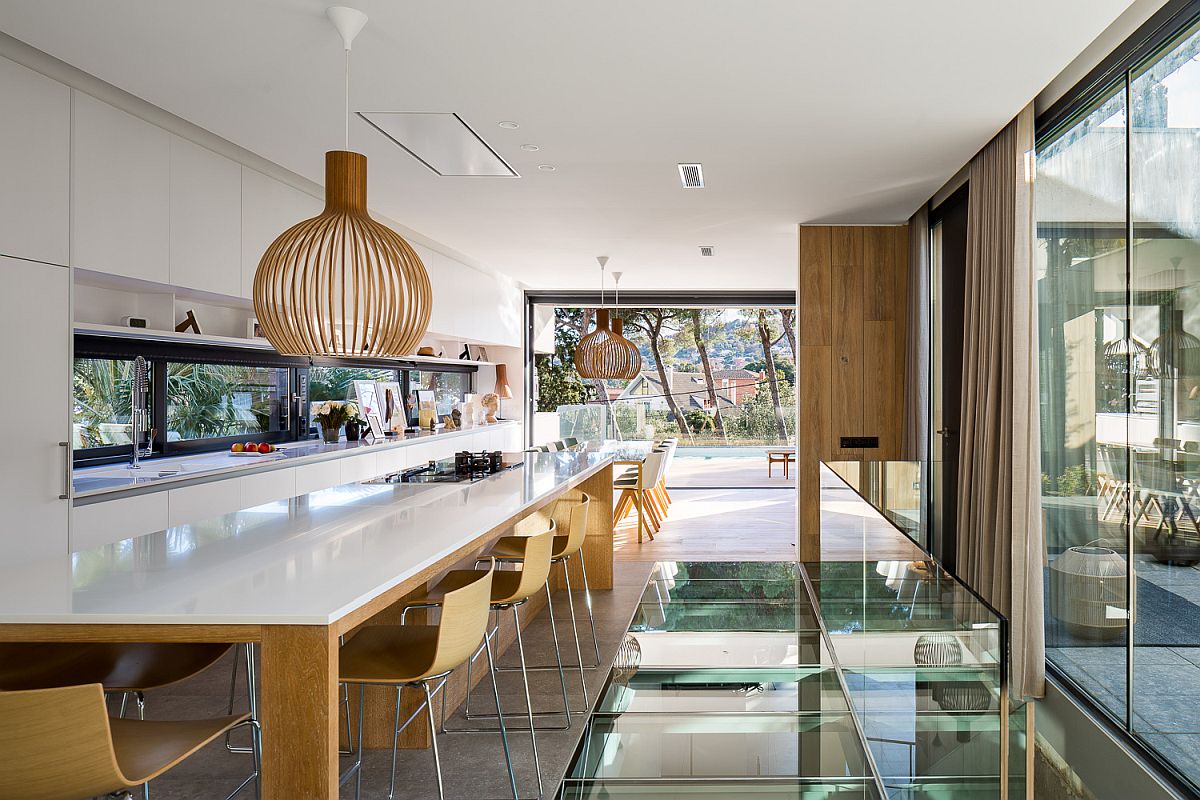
(729, 472)
(760, 525)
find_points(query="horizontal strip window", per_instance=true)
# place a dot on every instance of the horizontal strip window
(205, 398)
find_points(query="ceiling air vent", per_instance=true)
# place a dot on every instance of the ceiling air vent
(691, 176)
(706, 250)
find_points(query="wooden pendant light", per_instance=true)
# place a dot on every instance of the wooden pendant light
(605, 353)
(342, 284)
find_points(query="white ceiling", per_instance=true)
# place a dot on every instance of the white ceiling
(800, 110)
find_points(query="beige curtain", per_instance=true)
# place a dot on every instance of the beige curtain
(999, 515)
(915, 440)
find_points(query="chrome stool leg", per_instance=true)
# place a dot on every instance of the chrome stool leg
(587, 596)
(575, 629)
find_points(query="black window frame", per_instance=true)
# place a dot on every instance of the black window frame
(159, 352)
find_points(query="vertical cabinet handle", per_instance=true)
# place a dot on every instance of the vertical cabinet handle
(66, 495)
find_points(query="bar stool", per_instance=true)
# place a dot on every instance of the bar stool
(125, 668)
(652, 474)
(60, 743)
(569, 513)
(416, 655)
(510, 590)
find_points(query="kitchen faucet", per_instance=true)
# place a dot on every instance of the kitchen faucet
(139, 416)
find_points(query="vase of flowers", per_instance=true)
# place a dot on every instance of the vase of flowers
(331, 415)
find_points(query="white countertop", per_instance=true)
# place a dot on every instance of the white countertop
(305, 561)
(163, 472)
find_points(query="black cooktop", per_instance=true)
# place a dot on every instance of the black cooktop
(465, 467)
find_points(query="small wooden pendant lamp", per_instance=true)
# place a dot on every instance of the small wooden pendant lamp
(604, 353)
(340, 283)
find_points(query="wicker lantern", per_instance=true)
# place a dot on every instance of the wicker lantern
(1084, 583)
(342, 284)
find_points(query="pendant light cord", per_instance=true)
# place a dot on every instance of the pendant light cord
(347, 115)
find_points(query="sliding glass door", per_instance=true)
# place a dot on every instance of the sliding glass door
(1118, 213)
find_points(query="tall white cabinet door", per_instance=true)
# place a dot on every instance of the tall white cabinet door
(120, 193)
(206, 220)
(35, 331)
(269, 207)
(35, 148)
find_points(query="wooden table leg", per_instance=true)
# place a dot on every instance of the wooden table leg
(299, 712)
(639, 502)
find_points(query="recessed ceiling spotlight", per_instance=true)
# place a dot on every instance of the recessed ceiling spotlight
(508, 125)
(547, 167)
(530, 148)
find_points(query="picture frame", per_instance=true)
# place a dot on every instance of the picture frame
(474, 352)
(254, 329)
(367, 395)
(390, 404)
(426, 407)
(375, 426)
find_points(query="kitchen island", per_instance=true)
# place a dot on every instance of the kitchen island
(294, 576)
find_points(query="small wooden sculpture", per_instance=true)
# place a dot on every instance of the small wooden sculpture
(491, 405)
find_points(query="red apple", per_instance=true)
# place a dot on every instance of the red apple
(264, 448)
(251, 446)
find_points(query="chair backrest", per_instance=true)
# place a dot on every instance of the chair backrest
(56, 744)
(537, 551)
(558, 446)
(653, 469)
(533, 524)
(571, 515)
(570, 442)
(463, 623)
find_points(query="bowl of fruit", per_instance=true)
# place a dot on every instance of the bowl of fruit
(253, 449)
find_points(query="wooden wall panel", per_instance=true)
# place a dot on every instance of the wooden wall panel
(847, 352)
(852, 300)
(813, 434)
(813, 289)
(880, 398)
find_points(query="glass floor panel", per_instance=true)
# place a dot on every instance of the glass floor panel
(726, 590)
(708, 615)
(725, 570)
(934, 745)
(635, 746)
(732, 649)
(982, 789)
(721, 790)
(738, 694)
(709, 691)
(924, 689)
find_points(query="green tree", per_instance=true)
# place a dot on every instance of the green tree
(702, 331)
(657, 324)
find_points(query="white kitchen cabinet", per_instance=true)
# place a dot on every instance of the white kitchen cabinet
(269, 207)
(189, 504)
(206, 220)
(119, 519)
(315, 477)
(35, 328)
(120, 192)
(391, 459)
(268, 487)
(358, 468)
(35, 149)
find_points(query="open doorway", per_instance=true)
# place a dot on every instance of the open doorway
(717, 376)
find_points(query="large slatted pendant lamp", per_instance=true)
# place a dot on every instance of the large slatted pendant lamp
(605, 353)
(340, 283)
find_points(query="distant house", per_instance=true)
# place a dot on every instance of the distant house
(734, 387)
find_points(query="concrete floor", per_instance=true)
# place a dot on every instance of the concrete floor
(472, 764)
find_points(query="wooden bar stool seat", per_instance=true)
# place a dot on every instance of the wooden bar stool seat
(118, 667)
(60, 744)
(419, 655)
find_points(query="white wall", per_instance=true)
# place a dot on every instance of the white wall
(197, 173)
